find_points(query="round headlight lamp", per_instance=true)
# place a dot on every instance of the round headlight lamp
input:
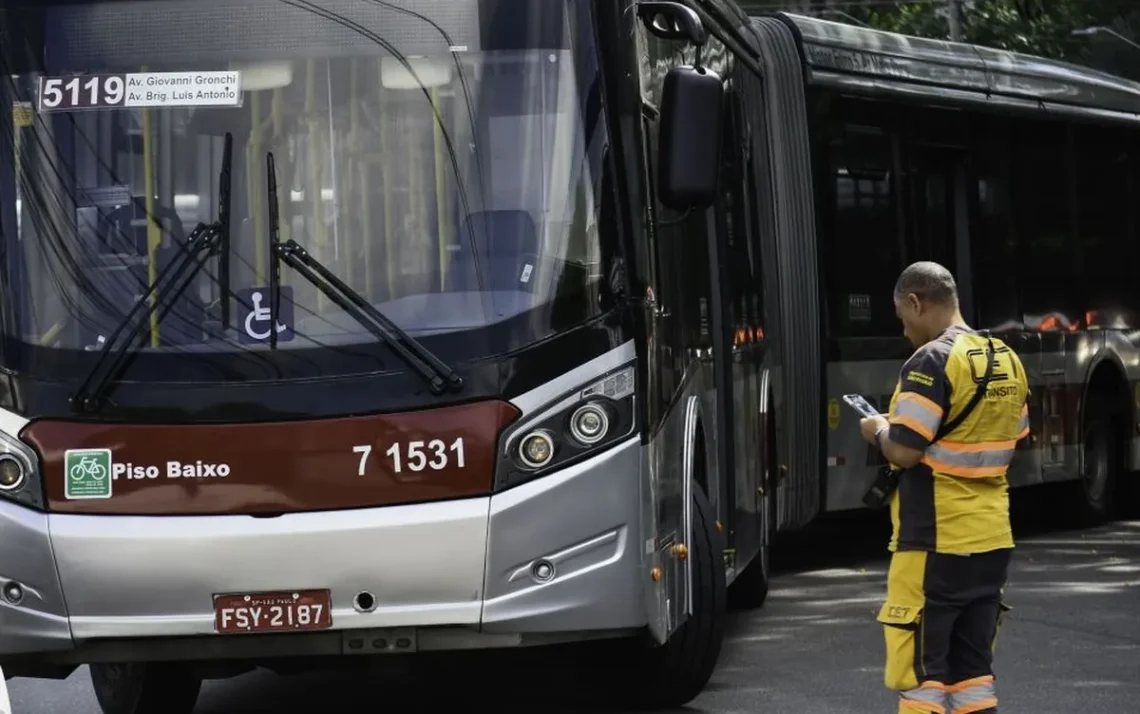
(12, 473)
(536, 449)
(589, 424)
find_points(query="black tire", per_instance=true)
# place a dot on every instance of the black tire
(673, 674)
(157, 688)
(1101, 469)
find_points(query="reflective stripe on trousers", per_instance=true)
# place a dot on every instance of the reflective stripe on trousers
(974, 696)
(927, 698)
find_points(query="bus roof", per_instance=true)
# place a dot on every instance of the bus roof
(877, 60)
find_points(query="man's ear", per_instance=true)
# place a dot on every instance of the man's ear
(914, 302)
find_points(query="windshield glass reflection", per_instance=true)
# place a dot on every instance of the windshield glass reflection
(442, 158)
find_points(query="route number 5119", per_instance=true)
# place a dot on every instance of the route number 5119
(416, 455)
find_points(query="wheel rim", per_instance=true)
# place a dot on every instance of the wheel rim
(1095, 477)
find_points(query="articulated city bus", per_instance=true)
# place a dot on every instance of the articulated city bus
(344, 328)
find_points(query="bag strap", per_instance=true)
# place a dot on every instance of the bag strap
(954, 423)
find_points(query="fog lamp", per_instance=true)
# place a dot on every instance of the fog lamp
(589, 423)
(12, 473)
(536, 449)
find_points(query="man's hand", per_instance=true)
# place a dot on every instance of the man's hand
(868, 426)
(897, 454)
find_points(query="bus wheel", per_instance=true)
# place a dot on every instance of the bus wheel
(1101, 466)
(159, 688)
(674, 674)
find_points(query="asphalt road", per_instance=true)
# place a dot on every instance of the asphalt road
(1072, 643)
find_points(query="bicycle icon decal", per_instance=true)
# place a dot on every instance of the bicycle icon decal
(88, 467)
(88, 473)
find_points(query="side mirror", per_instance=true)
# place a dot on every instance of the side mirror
(689, 138)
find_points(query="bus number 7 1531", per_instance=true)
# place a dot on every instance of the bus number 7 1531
(415, 455)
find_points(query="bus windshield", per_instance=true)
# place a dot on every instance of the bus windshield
(442, 158)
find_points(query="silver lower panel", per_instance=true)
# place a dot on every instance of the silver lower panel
(439, 566)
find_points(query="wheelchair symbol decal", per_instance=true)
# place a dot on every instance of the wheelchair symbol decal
(253, 315)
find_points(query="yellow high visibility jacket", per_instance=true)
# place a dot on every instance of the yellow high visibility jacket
(956, 500)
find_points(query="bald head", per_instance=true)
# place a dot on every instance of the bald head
(926, 301)
(929, 282)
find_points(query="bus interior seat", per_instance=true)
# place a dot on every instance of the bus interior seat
(122, 229)
(506, 242)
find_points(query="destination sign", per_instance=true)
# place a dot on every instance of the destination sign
(139, 90)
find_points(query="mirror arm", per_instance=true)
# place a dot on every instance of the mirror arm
(730, 38)
(680, 14)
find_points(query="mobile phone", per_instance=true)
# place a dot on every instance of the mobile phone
(861, 405)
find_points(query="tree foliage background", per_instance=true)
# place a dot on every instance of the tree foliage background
(1038, 27)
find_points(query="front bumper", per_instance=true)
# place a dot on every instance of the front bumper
(466, 564)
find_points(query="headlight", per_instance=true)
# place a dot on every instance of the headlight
(19, 472)
(589, 423)
(572, 427)
(536, 449)
(13, 475)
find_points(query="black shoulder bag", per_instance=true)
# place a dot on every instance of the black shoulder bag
(879, 495)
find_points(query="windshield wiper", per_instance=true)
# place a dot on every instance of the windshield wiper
(435, 371)
(203, 242)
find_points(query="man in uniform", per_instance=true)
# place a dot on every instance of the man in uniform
(958, 411)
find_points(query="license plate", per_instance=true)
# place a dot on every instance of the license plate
(273, 612)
